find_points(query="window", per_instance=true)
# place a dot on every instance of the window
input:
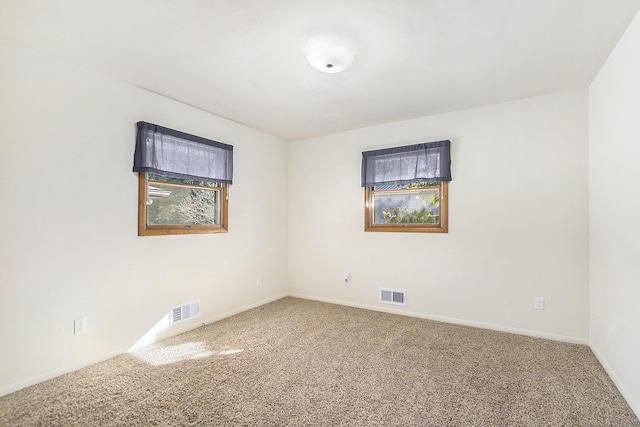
(183, 182)
(179, 206)
(406, 188)
(416, 207)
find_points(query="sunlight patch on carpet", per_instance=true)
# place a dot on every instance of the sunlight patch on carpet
(177, 353)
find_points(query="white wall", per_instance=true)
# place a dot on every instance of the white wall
(614, 214)
(68, 222)
(518, 224)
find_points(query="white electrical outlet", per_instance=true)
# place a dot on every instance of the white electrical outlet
(538, 303)
(259, 281)
(80, 326)
(347, 279)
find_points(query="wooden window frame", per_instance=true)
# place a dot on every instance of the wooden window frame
(144, 229)
(369, 215)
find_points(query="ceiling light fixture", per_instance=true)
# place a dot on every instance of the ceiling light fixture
(329, 58)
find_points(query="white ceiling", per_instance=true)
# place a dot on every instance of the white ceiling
(245, 59)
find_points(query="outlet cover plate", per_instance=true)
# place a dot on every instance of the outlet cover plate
(80, 326)
(347, 279)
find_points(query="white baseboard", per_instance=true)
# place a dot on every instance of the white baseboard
(52, 374)
(177, 331)
(518, 331)
(199, 322)
(245, 308)
(633, 403)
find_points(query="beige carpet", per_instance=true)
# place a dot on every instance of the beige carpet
(297, 362)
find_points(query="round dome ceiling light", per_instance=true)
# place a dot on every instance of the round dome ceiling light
(329, 58)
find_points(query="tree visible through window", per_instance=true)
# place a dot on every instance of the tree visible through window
(405, 205)
(180, 206)
(418, 206)
(181, 201)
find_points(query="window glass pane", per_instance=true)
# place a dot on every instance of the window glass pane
(407, 185)
(162, 178)
(182, 205)
(410, 206)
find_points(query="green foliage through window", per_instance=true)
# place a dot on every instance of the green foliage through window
(415, 205)
(178, 204)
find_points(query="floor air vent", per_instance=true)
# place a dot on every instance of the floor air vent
(393, 296)
(186, 311)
